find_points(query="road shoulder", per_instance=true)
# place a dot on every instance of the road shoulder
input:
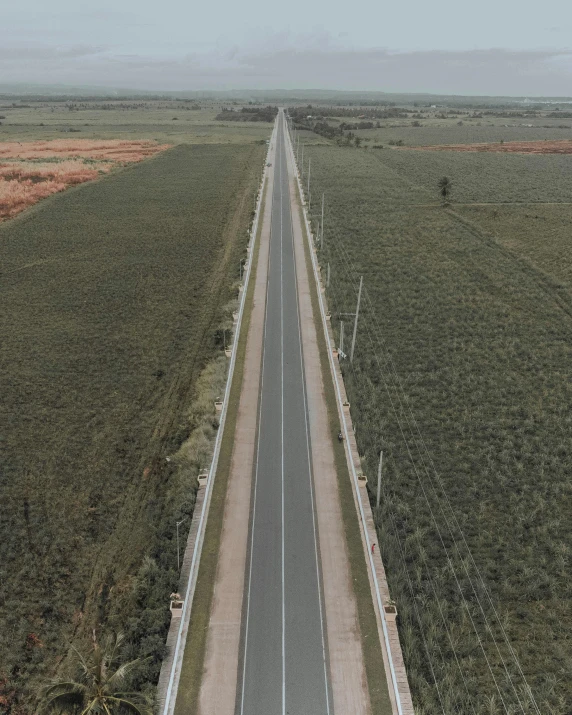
(346, 660)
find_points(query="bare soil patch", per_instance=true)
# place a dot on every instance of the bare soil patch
(30, 171)
(536, 147)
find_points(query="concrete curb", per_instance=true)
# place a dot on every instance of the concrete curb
(400, 693)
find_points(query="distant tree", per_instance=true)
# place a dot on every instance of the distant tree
(357, 141)
(98, 686)
(445, 187)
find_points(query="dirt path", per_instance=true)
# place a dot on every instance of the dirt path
(218, 688)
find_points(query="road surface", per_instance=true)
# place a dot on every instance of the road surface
(283, 663)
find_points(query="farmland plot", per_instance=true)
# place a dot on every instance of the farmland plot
(488, 178)
(113, 295)
(462, 376)
(31, 171)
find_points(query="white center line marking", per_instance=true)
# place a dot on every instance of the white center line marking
(282, 427)
(311, 480)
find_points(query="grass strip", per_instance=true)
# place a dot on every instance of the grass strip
(371, 646)
(193, 660)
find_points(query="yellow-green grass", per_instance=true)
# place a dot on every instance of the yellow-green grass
(164, 121)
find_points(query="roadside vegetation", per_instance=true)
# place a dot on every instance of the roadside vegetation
(461, 376)
(116, 296)
(248, 114)
(100, 683)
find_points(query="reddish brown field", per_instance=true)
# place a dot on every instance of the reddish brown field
(536, 147)
(30, 171)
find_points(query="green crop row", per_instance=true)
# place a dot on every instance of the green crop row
(462, 376)
(114, 296)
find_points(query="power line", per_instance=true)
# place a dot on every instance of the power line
(347, 262)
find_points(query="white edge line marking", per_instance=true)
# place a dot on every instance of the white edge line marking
(170, 698)
(282, 427)
(257, 464)
(311, 480)
(351, 461)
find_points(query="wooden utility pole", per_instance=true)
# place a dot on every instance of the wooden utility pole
(378, 499)
(356, 320)
(322, 225)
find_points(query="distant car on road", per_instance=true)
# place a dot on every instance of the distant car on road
(269, 164)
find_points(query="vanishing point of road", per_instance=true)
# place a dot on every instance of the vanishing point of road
(284, 635)
(284, 667)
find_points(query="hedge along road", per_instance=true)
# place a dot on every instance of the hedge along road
(284, 666)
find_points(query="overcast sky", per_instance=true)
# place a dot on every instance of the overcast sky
(508, 47)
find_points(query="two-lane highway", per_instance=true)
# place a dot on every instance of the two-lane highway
(283, 663)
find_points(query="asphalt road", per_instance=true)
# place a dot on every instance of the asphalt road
(283, 667)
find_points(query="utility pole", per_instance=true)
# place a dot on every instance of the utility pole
(322, 234)
(378, 499)
(297, 147)
(356, 319)
(302, 161)
(309, 165)
(328, 278)
(341, 336)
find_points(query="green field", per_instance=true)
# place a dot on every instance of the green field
(114, 295)
(462, 375)
(423, 125)
(472, 131)
(162, 120)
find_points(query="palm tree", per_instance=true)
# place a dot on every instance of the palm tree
(98, 686)
(445, 187)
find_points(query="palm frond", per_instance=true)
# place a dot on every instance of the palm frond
(84, 670)
(129, 706)
(118, 678)
(63, 697)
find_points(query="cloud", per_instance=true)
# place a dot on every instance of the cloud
(494, 71)
(313, 61)
(31, 55)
